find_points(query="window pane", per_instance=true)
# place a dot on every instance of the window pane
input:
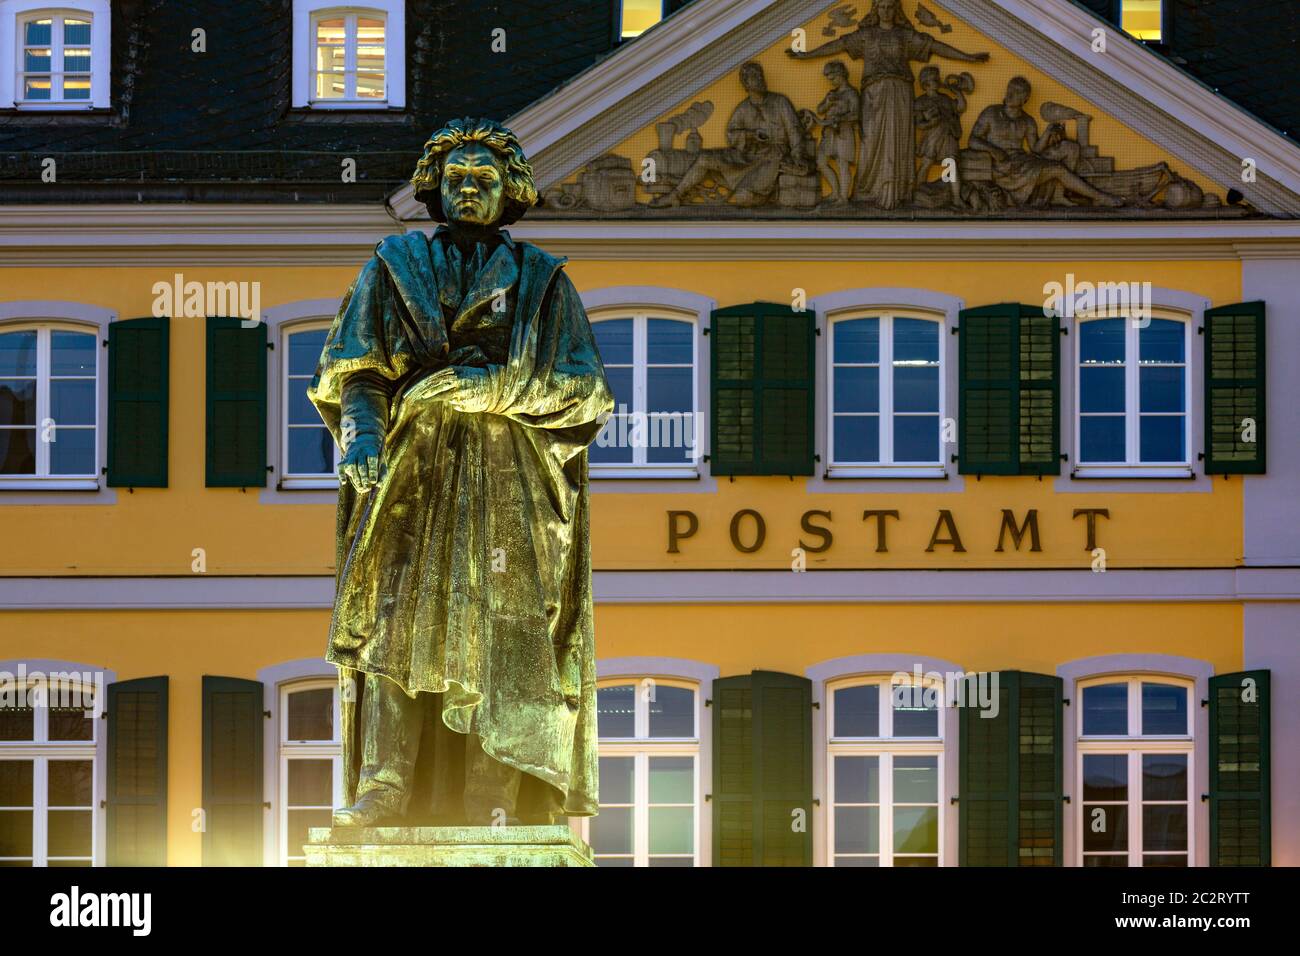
(672, 780)
(1105, 709)
(305, 350)
(606, 449)
(640, 15)
(73, 453)
(17, 401)
(72, 401)
(75, 722)
(616, 780)
(616, 710)
(1164, 827)
(916, 438)
(857, 711)
(857, 388)
(857, 439)
(310, 714)
(668, 389)
(1164, 709)
(75, 61)
(70, 783)
(370, 30)
(301, 410)
(1115, 859)
(16, 722)
(1161, 438)
(17, 448)
(311, 451)
(916, 861)
(311, 783)
(69, 832)
(1102, 439)
(916, 389)
(672, 830)
(1105, 828)
(611, 832)
(857, 779)
(299, 822)
(1164, 776)
(18, 353)
(329, 86)
(1101, 389)
(1162, 389)
(620, 383)
(857, 861)
(76, 32)
(370, 86)
(76, 87)
(614, 340)
(916, 780)
(1155, 860)
(916, 340)
(1141, 19)
(916, 829)
(671, 861)
(1101, 340)
(15, 832)
(668, 342)
(1105, 777)
(857, 340)
(914, 714)
(672, 712)
(36, 60)
(330, 30)
(38, 32)
(857, 829)
(15, 783)
(1162, 340)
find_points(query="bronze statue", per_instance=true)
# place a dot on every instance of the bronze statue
(462, 381)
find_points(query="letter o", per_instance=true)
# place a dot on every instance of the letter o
(759, 524)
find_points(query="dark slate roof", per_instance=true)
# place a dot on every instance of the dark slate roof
(218, 126)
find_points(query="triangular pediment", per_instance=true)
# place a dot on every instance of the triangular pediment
(920, 120)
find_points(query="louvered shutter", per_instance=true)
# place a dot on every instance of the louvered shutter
(232, 772)
(137, 772)
(1235, 362)
(1240, 825)
(236, 404)
(138, 377)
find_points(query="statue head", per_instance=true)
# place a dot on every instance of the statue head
(929, 78)
(836, 72)
(473, 173)
(1018, 90)
(752, 79)
(885, 11)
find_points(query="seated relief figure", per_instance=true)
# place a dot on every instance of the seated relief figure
(1031, 170)
(462, 381)
(765, 138)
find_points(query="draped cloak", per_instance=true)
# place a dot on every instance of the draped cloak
(465, 571)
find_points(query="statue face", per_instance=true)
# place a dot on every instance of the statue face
(887, 9)
(473, 186)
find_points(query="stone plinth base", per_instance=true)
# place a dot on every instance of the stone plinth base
(446, 846)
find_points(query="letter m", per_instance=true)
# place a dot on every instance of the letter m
(1018, 534)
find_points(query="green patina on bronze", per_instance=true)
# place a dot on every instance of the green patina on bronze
(462, 380)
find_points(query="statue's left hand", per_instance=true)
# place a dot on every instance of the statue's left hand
(463, 387)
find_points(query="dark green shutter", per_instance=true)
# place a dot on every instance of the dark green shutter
(763, 371)
(1240, 830)
(1009, 370)
(1011, 791)
(1235, 362)
(236, 388)
(762, 770)
(137, 772)
(233, 723)
(137, 402)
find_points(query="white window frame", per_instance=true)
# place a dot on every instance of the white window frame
(305, 15)
(288, 750)
(641, 748)
(1132, 466)
(43, 480)
(885, 746)
(40, 750)
(13, 13)
(1134, 746)
(639, 467)
(887, 467)
(292, 480)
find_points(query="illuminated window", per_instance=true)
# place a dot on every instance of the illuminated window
(60, 55)
(349, 57)
(48, 401)
(649, 774)
(1142, 18)
(885, 768)
(310, 455)
(638, 16)
(1135, 762)
(311, 761)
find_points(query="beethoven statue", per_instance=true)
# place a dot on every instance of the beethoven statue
(461, 379)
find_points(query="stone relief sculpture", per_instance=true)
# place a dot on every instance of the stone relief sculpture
(874, 150)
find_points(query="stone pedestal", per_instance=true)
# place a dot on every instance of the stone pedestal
(446, 846)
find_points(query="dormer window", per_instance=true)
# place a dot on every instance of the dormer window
(349, 57)
(60, 55)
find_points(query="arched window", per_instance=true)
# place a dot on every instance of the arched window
(55, 56)
(649, 773)
(1135, 770)
(1134, 396)
(886, 393)
(650, 359)
(347, 56)
(49, 402)
(885, 772)
(310, 763)
(48, 779)
(309, 455)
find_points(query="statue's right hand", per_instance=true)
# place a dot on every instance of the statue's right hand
(360, 464)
